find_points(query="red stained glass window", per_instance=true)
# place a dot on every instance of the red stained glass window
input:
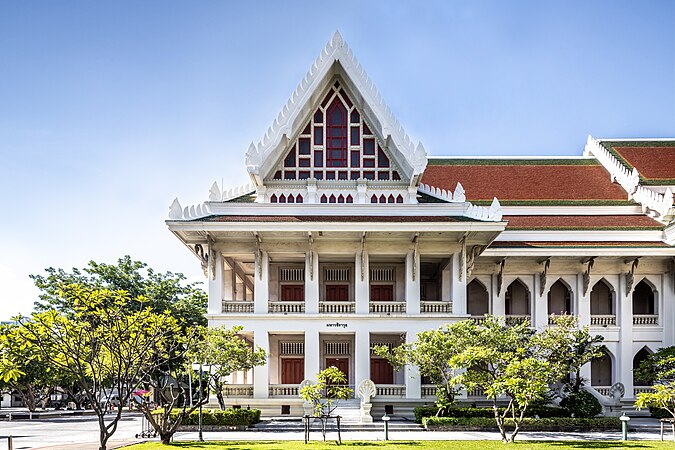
(383, 199)
(318, 135)
(395, 176)
(282, 198)
(355, 137)
(369, 146)
(342, 175)
(399, 199)
(289, 175)
(291, 199)
(383, 176)
(290, 158)
(373, 199)
(303, 174)
(307, 130)
(369, 175)
(277, 175)
(356, 158)
(318, 158)
(341, 198)
(382, 160)
(318, 116)
(299, 199)
(330, 175)
(366, 130)
(324, 199)
(318, 175)
(368, 162)
(346, 98)
(331, 199)
(336, 135)
(304, 162)
(390, 199)
(273, 198)
(305, 147)
(355, 117)
(326, 99)
(355, 175)
(350, 199)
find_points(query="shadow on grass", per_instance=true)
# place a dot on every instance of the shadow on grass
(282, 445)
(596, 444)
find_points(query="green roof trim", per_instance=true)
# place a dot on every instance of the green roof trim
(512, 162)
(557, 202)
(559, 228)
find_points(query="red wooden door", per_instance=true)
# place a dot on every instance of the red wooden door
(292, 370)
(381, 371)
(381, 293)
(337, 292)
(292, 293)
(340, 363)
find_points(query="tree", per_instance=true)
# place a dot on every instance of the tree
(512, 361)
(104, 344)
(160, 292)
(325, 394)
(659, 369)
(583, 349)
(431, 352)
(226, 352)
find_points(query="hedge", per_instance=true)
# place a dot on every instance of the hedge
(465, 412)
(227, 417)
(558, 423)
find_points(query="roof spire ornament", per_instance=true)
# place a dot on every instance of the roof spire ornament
(336, 40)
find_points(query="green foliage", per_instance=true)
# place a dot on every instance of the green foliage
(557, 423)
(327, 391)
(658, 367)
(227, 417)
(161, 292)
(488, 413)
(583, 349)
(662, 396)
(581, 404)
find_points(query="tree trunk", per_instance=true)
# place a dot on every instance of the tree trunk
(500, 420)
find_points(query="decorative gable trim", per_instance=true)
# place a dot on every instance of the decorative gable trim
(261, 158)
(492, 213)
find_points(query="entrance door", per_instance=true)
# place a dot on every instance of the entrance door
(381, 371)
(292, 370)
(340, 363)
(292, 293)
(381, 293)
(337, 292)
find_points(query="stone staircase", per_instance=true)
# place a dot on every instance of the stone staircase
(349, 411)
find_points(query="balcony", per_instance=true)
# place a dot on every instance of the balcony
(429, 391)
(642, 390)
(287, 307)
(427, 307)
(387, 307)
(238, 390)
(237, 307)
(336, 307)
(603, 390)
(603, 320)
(476, 393)
(283, 390)
(391, 390)
(515, 319)
(645, 319)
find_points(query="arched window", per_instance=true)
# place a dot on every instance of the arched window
(331, 199)
(299, 199)
(341, 198)
(350, 199)
(273, 198)
(399, 199)
(559, 299)
(383, 199)
(477, 303)
(291, 199)
(390, 199)
(517, 299)
(601, 371)
(282, 198)
(639, 357)
(324, 199)
(373, 199)
(643, 299)
(336, 135)
(602, 302)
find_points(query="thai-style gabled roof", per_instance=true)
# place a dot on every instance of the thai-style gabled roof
(335, 59)
(577, 222)
(654, 160)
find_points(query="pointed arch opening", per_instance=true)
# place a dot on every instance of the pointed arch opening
(477, 299)
(560, 298)
(518, 300)
(644, 300)
(603, 309)
(601, 371)
(640, 356)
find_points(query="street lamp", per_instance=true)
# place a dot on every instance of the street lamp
(200, 366)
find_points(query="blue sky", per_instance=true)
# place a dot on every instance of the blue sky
(108, 110)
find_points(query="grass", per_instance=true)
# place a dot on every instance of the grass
(411, 445)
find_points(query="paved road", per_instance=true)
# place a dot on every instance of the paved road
(65, 431)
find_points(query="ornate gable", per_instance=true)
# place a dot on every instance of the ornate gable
(336, 131)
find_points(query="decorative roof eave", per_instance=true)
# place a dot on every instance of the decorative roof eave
(492, 213)
(260, 158)
(658, 204)
(177, 212)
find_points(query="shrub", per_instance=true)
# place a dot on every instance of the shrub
(460, 412)
(581, 404)
(529, 423)
(659, 413)
(227, 417)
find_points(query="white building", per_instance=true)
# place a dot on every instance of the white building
(350, 235)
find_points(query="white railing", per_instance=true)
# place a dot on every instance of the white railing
(429, 390)
(238, 390)
(237, 307)
(627, 178)
(478, 320)
(283, 390)
(645, 319)
(603, 390)
(287, 307)
(387, 307)
(390, 390)
(642, 390)
(515, 319)
(336, 307)
(477, 392)
(603, 320)
(436, 307)
(661, 203)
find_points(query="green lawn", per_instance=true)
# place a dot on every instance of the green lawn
(411, 445)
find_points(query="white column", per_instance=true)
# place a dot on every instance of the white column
(261, 285)
(668, 311)
(583, 302)
(261, 374)
(215, 274)
(458, 295)
(539, 305)
(312, 284)
(229, 282)
(624, 372)
(362, 285)
(361, 357)
(413, 382)
(412, 284)
(498, 301)
(312, 354)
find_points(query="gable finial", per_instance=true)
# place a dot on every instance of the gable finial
(336, 40)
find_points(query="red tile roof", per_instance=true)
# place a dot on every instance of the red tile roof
(582, 222)
(651, 162)
(549, 244)
(523, 180)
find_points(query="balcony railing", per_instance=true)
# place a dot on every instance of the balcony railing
(336, 307)
(283, 390)
(238, 390)
(429, 390)
(237, 307)
(515, 319)
(603, 320)
(478, 320)
(477, 392)
(436, 307)
(391, 390)
(287, 307)
(387, 307)
(645, 319)
(642, 390)
(603, 390)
